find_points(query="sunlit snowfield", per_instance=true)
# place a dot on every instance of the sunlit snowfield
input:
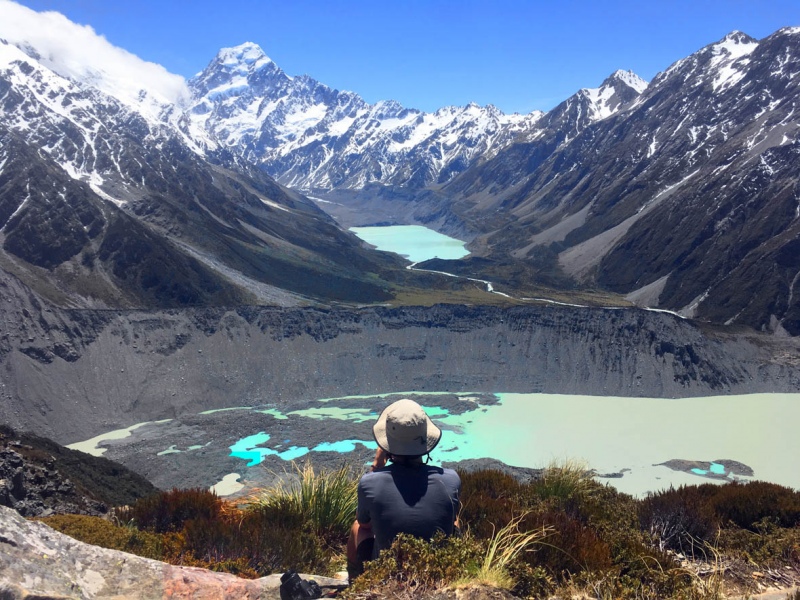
(415, 242)
(611, 434)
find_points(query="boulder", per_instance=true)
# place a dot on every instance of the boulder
(39, 562)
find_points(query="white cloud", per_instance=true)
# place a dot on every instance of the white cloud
(78, 52)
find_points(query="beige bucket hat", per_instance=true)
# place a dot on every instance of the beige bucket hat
(403, 429)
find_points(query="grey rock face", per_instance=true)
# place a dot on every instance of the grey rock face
(127, 367)
(39, 478)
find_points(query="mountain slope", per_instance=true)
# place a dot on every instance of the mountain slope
(102, 206)
(681, 194)
(40, 477)
(687, 196)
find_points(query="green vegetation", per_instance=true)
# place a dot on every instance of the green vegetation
(563, 534)
(326, 500)
(102, 532)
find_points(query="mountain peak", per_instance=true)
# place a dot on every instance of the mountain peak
(735, 44)
(628, 78)
(738, 37)
(248, 53)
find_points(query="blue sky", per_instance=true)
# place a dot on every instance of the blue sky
(518, 55)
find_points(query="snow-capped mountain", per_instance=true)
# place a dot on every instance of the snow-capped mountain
(104, 204)
(681, 193)
(587, 106)
(686, 198)
(309, 136)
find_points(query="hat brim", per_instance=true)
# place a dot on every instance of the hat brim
(398, 447)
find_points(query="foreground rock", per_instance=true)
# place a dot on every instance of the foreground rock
(36, 561)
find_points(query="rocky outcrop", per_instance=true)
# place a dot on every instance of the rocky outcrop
(38, 478)
(38, 562)
(38, 490)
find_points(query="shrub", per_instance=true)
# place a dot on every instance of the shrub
(263, 540)
(415, 566)
(747, 504)
(771, 544)
(327, 500)
(680, 519)
(101, 532)
(168, 511)
(489, 499)
(686, 518)
(571, 548)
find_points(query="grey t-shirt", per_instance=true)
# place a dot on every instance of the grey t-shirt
(416, 499)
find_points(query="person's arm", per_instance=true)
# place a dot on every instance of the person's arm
(380, 459)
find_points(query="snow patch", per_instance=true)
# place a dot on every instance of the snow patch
(18, 209)
(690, 310)
(633, 80)
(728, 58)
(248, 53)
(108, 198)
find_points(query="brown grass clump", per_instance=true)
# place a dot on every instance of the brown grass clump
(169, 511)
(102, 532)
(489, 500)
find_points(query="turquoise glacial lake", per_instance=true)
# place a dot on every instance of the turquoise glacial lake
(414, 242)
(622, 435)
(631, 436)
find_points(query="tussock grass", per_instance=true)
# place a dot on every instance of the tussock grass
(325, 499)
(564, 480)
(503, 549)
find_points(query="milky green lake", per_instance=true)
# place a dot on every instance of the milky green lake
(609, 434)
(415, 242)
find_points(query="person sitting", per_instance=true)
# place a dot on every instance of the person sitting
(407, 496)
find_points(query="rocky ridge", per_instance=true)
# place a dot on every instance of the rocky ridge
(39, 477)
(685, 198)
(72, 374)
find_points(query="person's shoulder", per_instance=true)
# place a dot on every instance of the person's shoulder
(444, 472)
(451, 473)
(376, 475)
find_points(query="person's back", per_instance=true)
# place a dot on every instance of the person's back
(409, 497)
